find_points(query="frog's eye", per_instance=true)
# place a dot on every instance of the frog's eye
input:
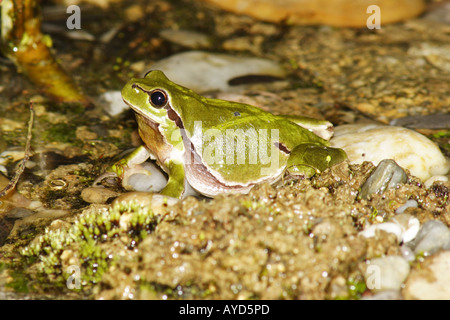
(158, 98)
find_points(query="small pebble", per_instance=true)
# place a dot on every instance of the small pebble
(97, 195)
(386, 273)
(432, 237)
(407, 253)
(388, 174)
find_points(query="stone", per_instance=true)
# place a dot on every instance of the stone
(329, 12)
(97, 194)
(409, 149)
(206, 72)
(388, 174)
(433, 236)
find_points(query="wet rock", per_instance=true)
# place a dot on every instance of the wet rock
(433, 236)
(386, 273)
(204, 71)
(388, 174)
(430, 281)
(410, 149)
(432, 121)
(335, 13)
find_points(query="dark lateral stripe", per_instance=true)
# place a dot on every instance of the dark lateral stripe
(282, 147)
(175, 118)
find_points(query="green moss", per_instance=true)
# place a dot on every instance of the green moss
(82, 241)
(356, 287)
(61, 132)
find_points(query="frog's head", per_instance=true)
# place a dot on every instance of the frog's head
(156, 98)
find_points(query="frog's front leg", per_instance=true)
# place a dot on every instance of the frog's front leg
(309, 159)
(176, 186)
(124, 167)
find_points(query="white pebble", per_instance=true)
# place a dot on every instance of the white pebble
(205, 72)
(409, 225)
(410, 149)
(389, 227)
(404, 226)
(145, 177)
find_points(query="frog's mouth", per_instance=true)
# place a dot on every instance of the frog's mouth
(145, 118)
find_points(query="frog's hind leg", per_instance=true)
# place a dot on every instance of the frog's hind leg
(309, 159)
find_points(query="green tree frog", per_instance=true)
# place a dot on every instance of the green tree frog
(218, 146)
